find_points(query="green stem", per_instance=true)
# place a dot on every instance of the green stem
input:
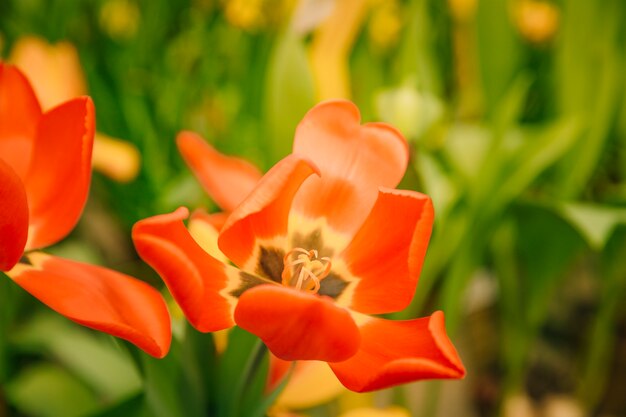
(4, 412)
(8, 309)
(133, 353)
(602, 343)
(271, 398)
(199, 366)
(252, 367)
(514, 328)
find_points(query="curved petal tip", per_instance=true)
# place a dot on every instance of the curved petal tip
(397, 352)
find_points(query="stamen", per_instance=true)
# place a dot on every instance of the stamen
(311, 269)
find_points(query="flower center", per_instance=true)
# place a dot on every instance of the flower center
(305, 271)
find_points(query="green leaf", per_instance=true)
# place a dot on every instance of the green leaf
(466, 148)
(198, 359)
(267, 402)
(499, 50)
(133, 406)
(595, 223)
(602, 342)
(589, 73)
(541, 150)
(409, 110)
(91, 357)
(167, 391)
(547, 246)
(289, 92)
(10, 294)
(242, 374)
(46, 390)
(437, 184)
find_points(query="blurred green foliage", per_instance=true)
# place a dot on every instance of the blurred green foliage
(516, 116)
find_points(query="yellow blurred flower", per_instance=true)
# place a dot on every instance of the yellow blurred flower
(331, 47)
(56, 76)
(385, 24)
(311, 383)
(54, 71)
(536, 20)
(119, 19)
(462, 10)
(251, 15)
(117, 159)
(245, 14)
(377, 412)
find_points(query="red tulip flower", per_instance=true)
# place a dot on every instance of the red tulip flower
(321, 243)
(45, 172)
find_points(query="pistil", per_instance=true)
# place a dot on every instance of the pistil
(306, 271)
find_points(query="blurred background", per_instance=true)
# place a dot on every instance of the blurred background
(516, 115)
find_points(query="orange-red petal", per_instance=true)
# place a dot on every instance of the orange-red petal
(13, 217)
(264, 214)
(99, 298)
(387, 253)
(58, 180)
(296, 325)
(396, 352)
(226, 179)
(194, 278)
(353, 159)
(19, 116)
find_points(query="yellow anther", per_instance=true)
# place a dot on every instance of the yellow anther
(306, 271)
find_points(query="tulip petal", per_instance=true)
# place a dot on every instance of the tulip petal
(13, 217)
(353, 159)
(226, 179)
(389, 264)
(262, 218)
(296, 325)
(58, 180)
(205, 288)
(396, 352)
(19, 116)
(99, 298)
